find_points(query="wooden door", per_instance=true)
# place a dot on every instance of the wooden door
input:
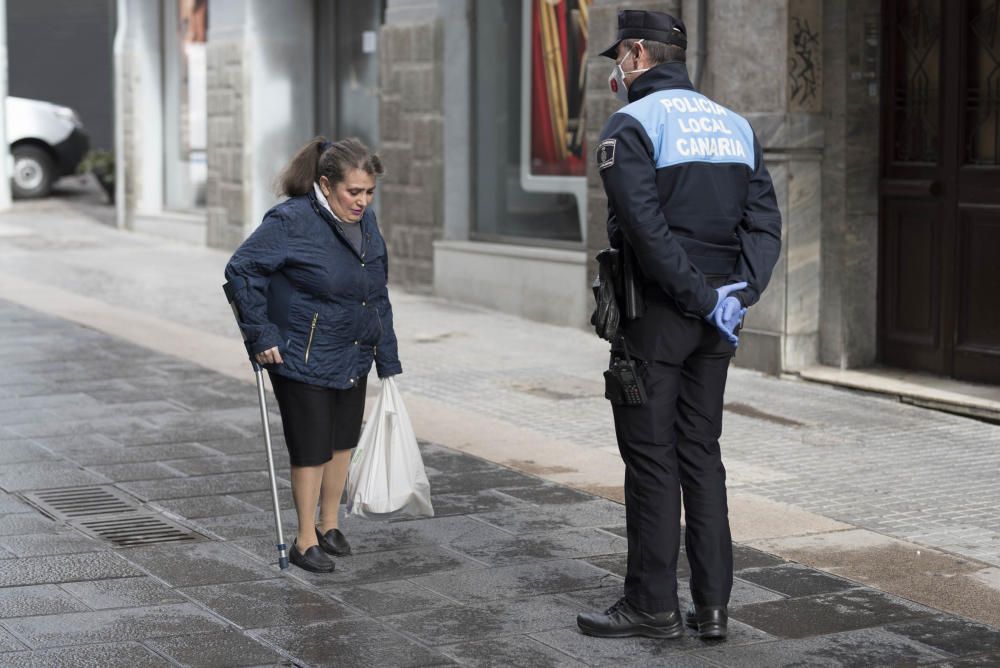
(939, 291)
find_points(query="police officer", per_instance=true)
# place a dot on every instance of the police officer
(690, 199)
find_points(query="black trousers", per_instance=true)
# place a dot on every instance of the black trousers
(670, 444)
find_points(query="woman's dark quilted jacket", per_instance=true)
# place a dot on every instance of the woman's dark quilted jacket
(302, 287)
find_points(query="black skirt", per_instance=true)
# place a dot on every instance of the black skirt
(318, 420)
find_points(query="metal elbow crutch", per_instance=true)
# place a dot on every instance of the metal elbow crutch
(258, 372)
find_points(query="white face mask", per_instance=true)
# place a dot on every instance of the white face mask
(616, 82)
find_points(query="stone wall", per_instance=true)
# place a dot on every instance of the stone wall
(849, 308)
(775, 79)
(228, 178)
(411, 119)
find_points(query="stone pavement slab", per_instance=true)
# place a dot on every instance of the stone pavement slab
(488, 584)
(197, 564)
(828, 613)
(496, 579)
(465, 623)
(135, 471)
(44, 475)
(64, 568)
(194, 507)
(16, 524)
(379, 599)
(105, 655)
(856, 649)
(504, 652)
(62, 541)
(501, 550)
(950, 634)
(133, 592)
(252, 605)
(795, 580)
(354, 642)
(81, 628)
(599, 652)
(36, 600)
(408, 563)
(216, 649)
(176, 488)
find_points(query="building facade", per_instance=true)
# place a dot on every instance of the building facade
(879, 121)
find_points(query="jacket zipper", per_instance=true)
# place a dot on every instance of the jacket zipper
(381, 331)
(312, 330)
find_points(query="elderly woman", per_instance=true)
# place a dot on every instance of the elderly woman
(315, 311)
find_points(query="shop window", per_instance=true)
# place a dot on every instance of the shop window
(530, 66)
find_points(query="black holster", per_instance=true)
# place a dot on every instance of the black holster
(606, 318)
(617, 291)
(635, 305)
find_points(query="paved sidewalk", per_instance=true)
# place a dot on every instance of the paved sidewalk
(495, 579)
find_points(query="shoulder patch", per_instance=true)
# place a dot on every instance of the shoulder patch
(606, 153)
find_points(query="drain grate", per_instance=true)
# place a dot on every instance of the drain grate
(107, 514)
(135, 529)
(65, 504)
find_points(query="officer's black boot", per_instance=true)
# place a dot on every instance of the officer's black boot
(711, 621)
(623, 620)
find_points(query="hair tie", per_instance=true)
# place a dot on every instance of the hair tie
(325, 146)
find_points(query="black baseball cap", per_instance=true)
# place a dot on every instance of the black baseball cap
(654, 26)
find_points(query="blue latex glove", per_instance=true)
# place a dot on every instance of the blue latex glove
(728, 311)
(728, 317)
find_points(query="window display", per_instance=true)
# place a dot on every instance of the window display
(559, 33)
(530, 184)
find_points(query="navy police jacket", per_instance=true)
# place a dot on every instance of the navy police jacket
(688, 191)
(301, 286)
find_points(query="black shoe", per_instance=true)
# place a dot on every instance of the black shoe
(333, 542)
(623, 620)
(314, 559)
(711, 622)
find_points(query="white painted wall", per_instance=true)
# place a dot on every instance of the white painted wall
(137, 44)
(279, 56)
(143, 39)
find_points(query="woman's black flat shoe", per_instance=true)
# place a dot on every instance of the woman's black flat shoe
(313, 559)
(333, 542)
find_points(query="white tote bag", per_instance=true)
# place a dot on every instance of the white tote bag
(387, 478)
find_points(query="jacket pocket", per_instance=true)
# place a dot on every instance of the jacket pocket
(312, 332)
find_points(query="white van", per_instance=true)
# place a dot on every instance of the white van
(47, 142)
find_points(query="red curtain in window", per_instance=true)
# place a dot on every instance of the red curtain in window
(559, 30)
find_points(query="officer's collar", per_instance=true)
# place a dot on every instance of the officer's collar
(662, 77)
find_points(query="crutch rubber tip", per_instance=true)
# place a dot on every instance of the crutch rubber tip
(282, 563)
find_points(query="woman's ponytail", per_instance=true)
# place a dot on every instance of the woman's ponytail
(300, 174)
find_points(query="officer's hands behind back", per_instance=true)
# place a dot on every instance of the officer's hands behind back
(728, 312)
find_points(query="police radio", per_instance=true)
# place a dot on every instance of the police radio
(623, 384)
